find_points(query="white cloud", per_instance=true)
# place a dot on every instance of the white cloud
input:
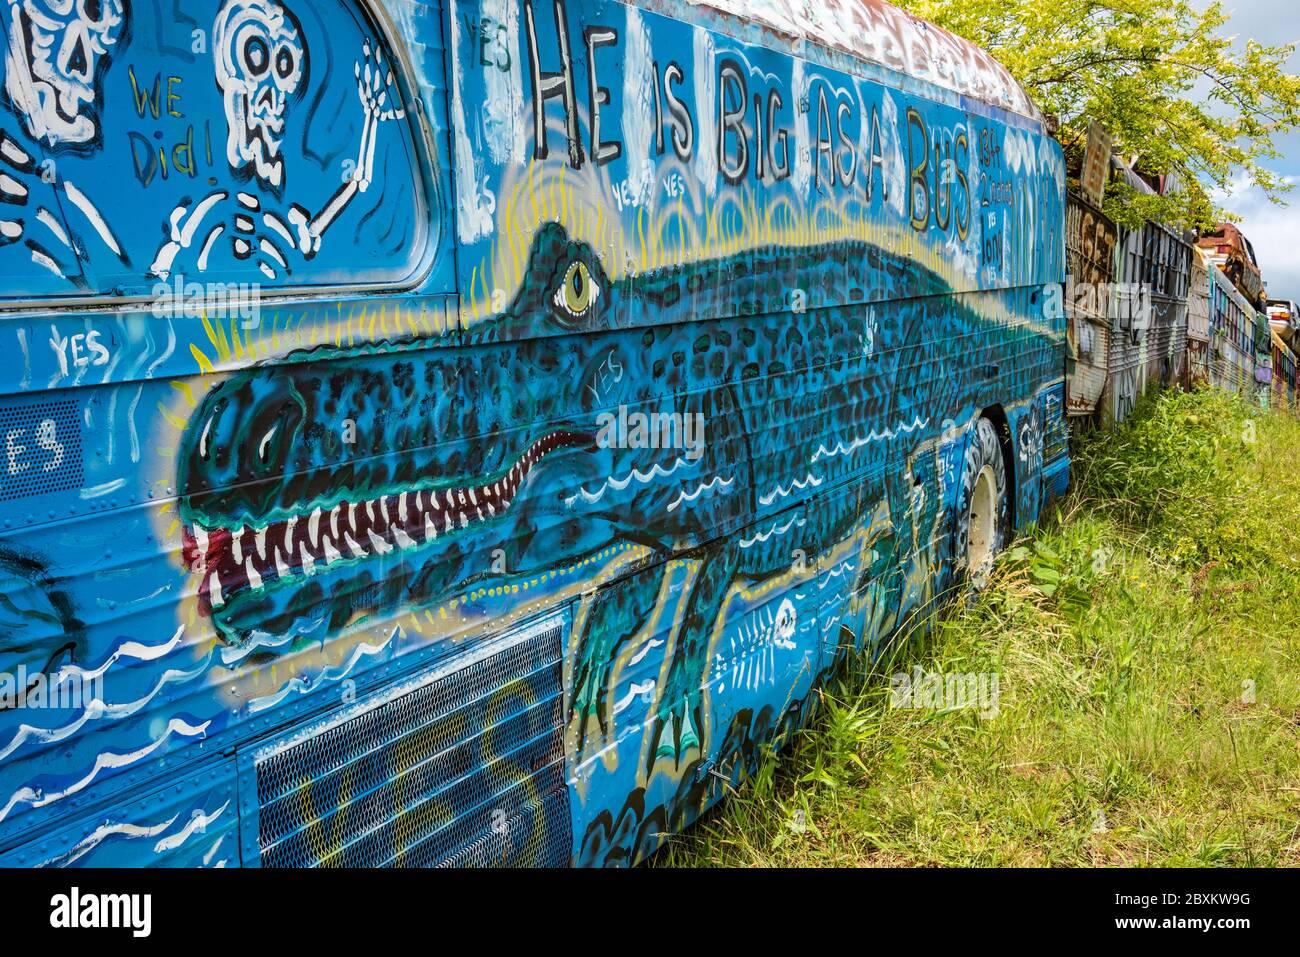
(1273, 230)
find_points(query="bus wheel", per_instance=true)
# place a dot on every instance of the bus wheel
(982, 508)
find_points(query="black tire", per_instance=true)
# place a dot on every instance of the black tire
(975, 501)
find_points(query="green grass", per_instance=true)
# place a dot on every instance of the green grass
(1127, 634)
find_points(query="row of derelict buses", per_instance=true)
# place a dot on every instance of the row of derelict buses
(469, 432)
(1160, 307)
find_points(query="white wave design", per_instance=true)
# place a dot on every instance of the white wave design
(785, 491)
(212, 851)
(701, 489)
(97, 710)
(637, 689)
(127, 649)
(103, 833)
(837, 572)
(872, 436)
(649, 645)
(103, 760)
(618, 485)
(327, 674)
(776, 529)
(197, 824)
(231, 655)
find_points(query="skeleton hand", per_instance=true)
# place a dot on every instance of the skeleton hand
(379, 98)
(380, 101)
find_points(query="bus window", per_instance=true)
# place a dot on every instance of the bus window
(252, 142)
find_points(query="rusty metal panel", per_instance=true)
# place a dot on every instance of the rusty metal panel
(1198, 324)
(1148, 343)
(1090, 262)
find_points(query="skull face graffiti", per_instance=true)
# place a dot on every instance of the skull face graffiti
(260, 64)
(57, 52)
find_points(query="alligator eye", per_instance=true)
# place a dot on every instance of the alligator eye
(578, 292)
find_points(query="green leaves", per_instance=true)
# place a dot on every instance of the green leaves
(1160, 76)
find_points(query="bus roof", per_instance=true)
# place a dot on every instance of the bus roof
(881, 33)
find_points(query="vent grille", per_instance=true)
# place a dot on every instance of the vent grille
(466, 770)
(43, 449)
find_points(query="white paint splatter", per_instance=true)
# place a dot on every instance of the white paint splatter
(475, 203)
(503, 108)
(638, 109)
(706, 157)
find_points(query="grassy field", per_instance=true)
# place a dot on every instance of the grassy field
(1146, 644)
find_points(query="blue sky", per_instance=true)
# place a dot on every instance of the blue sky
(1274, 230)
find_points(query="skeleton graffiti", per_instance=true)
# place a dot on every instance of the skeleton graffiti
(55, 60)
(260, 64)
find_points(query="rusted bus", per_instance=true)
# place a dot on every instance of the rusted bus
(1284, 371)
(1148, 341)
(1264, 375)
(1232, 336)
(1090, 239)
(1198, 322)
(1232, 252)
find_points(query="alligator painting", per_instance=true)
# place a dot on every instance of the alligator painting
(341, 485)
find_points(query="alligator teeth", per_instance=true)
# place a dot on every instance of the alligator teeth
(237, 544)
(250, 569)
(352, 516)
(281, 568)
(334, 520)
(260, 537)
(461, 495)
(357, 550)
(370, 510)
(381, 547)
(491, 511)
(471, 497)
(214, 591)
(447, 519)
(401, 508)
(403, 540)
(288, 530)
(308, 563)
(313, 528)
(419, 507)
(464, 522)
(430, 533)
(331, 553)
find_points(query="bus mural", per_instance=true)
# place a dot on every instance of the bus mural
(467, 433)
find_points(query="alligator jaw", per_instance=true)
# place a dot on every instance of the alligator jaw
(232, 560)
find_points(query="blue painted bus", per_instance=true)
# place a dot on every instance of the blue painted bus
(467, 432)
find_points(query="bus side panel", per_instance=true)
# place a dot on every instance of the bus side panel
(524, 573)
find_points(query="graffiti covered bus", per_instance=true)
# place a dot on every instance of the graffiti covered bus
(466, 432)
(1233, 324)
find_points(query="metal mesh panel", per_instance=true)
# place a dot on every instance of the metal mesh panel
(42, 449)
(465, 770)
